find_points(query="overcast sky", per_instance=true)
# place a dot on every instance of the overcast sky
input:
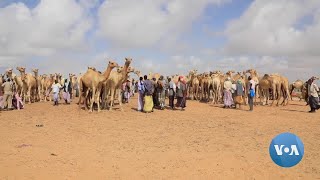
(166, 36)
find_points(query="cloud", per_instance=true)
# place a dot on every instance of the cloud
(269, 28)
(140, 24)
(50, 27)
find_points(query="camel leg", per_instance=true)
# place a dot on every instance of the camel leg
(111, 99)
(29, 95)
(92, 99)
(197, 93)
(98, 100)
(274, 95)
(279, 95)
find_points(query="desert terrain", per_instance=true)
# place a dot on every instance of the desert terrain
(203, 142)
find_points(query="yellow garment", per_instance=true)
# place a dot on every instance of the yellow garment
(148, 104)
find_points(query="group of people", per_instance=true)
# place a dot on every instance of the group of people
(67, 92)
(233, 93)
(152, 93)
(10, 98)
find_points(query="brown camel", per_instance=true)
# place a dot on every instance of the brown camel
(29, 82)
(273, 82)
(216, 87)
(298, 84)
(194, 85)
(285, 90)
(115, 81)
(93, 80)
(48, 82)
(38, 86)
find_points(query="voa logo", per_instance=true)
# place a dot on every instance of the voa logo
(294, 150)
(286, 150)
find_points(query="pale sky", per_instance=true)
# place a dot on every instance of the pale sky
(165, 36)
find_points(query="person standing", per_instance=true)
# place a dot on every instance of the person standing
(127, 91)
(313, 95)
(8, 94)
(251, 95)
(162, 92)
(133, 87)
(239, 92)
(171, 93)
(149, 90)
(227, 95)
(155, 94)
(67, 91)
(181, 93)
(140, 94)
(55, 90)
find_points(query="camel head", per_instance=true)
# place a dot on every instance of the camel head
(9, 71)
(21, 69)
(35, 71)
(112, 64)
(252, 71)
(119, 69)
(71, 75)
(128, 61)
(229, 73)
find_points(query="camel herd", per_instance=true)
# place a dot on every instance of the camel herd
(209, 86)
(103, 88)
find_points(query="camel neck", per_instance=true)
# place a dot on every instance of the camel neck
(107, 72)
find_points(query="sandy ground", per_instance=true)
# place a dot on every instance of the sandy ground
(204, 142)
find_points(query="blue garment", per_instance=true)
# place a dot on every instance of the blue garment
(141, 86)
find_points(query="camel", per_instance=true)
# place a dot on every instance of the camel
(216, 87)
(194, 85)
(298, 84)
(38, 86)
(47, 86)
(72, 80)
(285, 90)
(29, 83)
(115, 81)
(42, 84)
(273, 82)
(204, 87)
(93, 80)
(229, 74)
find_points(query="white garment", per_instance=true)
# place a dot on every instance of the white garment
(227, 85)
(233, 88)
(253, 84)
(56, 88)
(313, 90)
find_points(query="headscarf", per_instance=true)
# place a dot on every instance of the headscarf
(239, 81)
